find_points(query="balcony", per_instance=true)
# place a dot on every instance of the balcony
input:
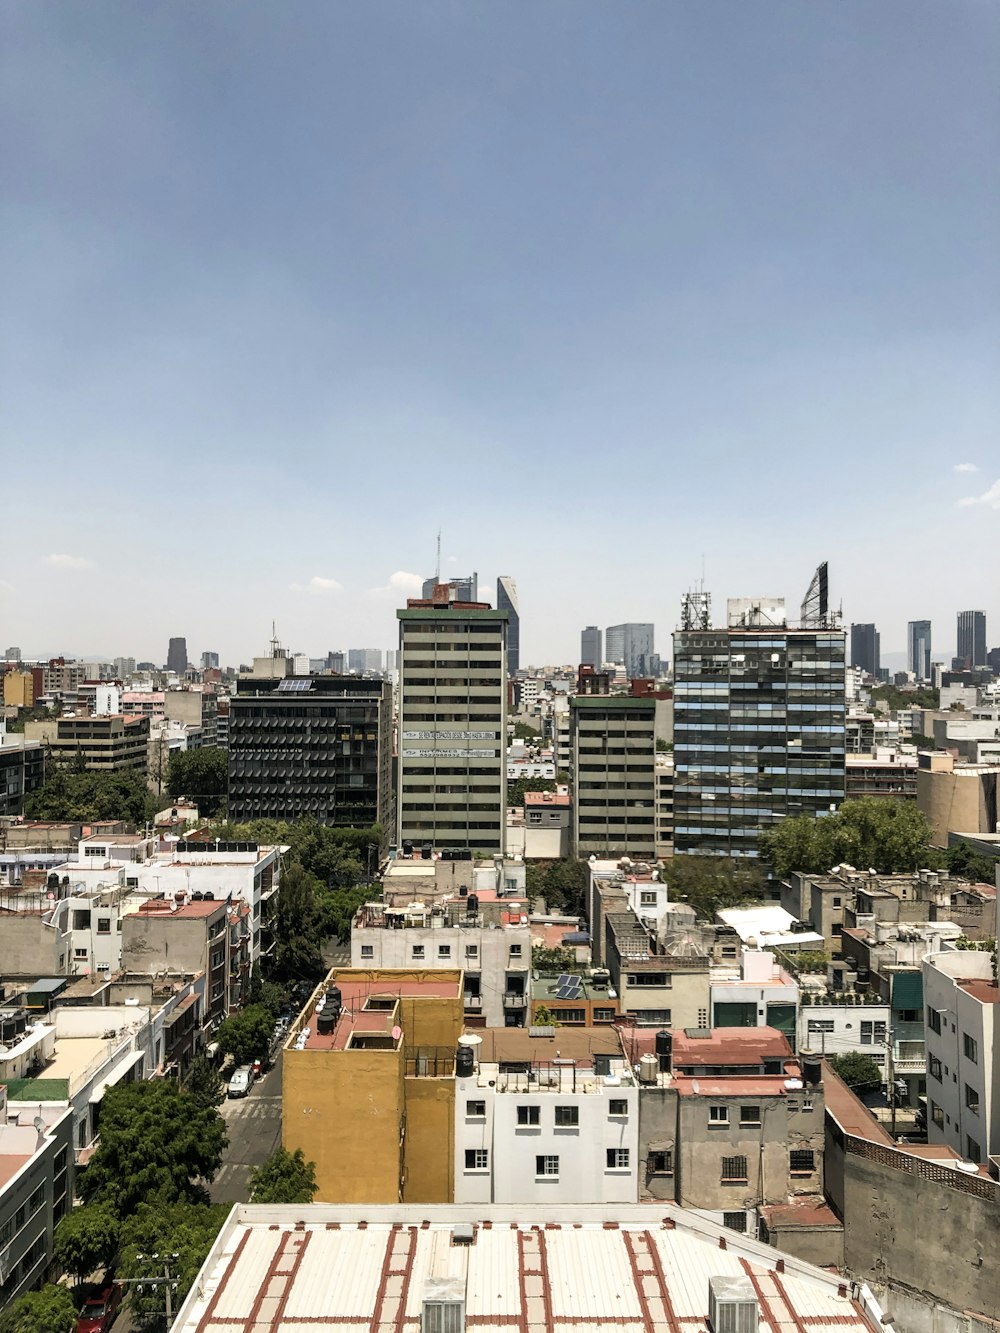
(515, 999)
(472, 1003)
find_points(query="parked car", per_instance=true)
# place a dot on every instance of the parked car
(99, 1310)
(241, 1082)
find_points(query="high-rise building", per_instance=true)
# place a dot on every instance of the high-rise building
(972, 638)
(865, 649)
(631, 644)
(759, 727)
(210, 661)
(918, 648)
(507, 601)
(612, 743)
(452, 788)
(12, 655)
(318, 746)
(464, 588)
(591, 653)
(124, 668)
(177, 656)
(363, 660)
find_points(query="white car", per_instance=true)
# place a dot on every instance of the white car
(241, 1082)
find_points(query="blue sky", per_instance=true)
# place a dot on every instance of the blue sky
(601, 290)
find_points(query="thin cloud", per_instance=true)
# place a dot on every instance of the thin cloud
(990, 499)
(965, 467)
(403, 583)
(317, 584)
(67, 562)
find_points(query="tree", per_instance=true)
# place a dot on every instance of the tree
(200, 775)
(268, 993)
(246, 1036)
(711, 883)
(858, 1071)
(182, 1228)
(964, 862)
(522, 732)
(298, 925)
(155, 1141)
(83, 796)
(284, 1178)
(552, 960)
(563, 884)
(203, 1082)
(888, 836)
(86, 1239)
(516, 790)
(544, 1017)
(51, 1309)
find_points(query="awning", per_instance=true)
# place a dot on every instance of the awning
(908, 990)
(117, 1074)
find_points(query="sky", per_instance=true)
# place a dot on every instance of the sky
(611, 294)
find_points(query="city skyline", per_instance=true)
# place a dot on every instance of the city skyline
(445, 250)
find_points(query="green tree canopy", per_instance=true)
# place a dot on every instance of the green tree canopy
(182, 1228)
(889, 836)
(563, 884)
(284, 1178)
(552, 960)
(522, 732)
(858, 1071)
(87, 1239)
(246, 1035)
(895, 698)
(200, 775)
(298, 925)
(156, 1141)
(81, 796)
(51, 1309)
(517, 789)
(711, 883)
(203, 1082)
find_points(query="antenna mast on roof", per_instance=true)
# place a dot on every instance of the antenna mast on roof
(437, 567)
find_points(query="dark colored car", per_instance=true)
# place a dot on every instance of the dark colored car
(99, 1310)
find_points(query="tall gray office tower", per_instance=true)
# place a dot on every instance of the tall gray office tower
(633, 645)
(507, 601)
(759, 723)
(972, 637)
(918, 648)
(590, 647)
(865, 648)
(209, 661)
(177, 656)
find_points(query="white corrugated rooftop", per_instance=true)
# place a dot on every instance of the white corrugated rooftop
(277, 1269)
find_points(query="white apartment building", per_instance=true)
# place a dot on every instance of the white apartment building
(756, 992)
(839, 1029)
(495, 955)
(36, 1191)
(452, 788)
(555, 1126)
(963, 1053)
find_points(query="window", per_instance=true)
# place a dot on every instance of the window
(367, 951)
(444, 950)
(718, 1117)
(972, 1099)
(515, 951)
(801, 1161)
(617, 1159)
(749, 1115)
(934, 1067)
(476, 1110)
(972, 1149)
(838, 902)
(528, 1115)
(81, 953)
(604, 1015)
(546, 1165)
(970, 1047)
(933, 1019)
(442, 1317)
(472, 951)
(734, 1169)
(872, 1033)
(104, 925)
(735, 1221)
(660, 1163)
(418, 951)
(820, 1025)
(477, 1159)
(618, 1106)
(647, 898)
(937, 1115)
(567, 1116)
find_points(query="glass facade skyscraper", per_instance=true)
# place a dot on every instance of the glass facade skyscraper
(972, 637)
(918, 648)
(507, 601)
(865, 648)
(759, 719)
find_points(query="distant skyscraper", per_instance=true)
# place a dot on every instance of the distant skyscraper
(465, 588)
(865, 648)
(633, 645)
(972, 637)
(209, 661)
(12, 655)
(364, 659)
(590, 647)
(177, 656)
(918, 648)
(507, 601)
(124, 668)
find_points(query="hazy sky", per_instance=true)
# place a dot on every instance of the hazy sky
(600, 289)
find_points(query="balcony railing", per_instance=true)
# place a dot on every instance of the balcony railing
(515, 999)
(474, 1002)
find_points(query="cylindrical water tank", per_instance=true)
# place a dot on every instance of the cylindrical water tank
(664, 1049)
(649, 1069)
(465, 1062)
(326, 1022)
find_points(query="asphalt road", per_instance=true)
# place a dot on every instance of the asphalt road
(254, 1125)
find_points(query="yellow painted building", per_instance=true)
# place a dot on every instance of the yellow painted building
(368, 1089)
(18, 689)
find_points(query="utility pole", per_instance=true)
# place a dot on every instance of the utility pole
(167, 1281)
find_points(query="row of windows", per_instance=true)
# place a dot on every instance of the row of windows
(530, 1113)
(547, 1164)
(14, 1223)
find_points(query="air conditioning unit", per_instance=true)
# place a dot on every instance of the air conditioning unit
(732, 1305)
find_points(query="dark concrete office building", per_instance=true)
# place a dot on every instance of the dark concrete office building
(591, 651)
(865, 648)
(972, 638)
(758, 733)
(177, 656)
(312, 746)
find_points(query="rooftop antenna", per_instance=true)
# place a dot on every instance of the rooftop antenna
(274, 640)
(437, 567)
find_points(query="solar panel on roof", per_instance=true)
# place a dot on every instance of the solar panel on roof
(292, 686)
(562, 979)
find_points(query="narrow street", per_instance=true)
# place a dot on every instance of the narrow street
(254, 1126)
